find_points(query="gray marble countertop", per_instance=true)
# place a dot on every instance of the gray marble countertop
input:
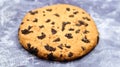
(106, 14)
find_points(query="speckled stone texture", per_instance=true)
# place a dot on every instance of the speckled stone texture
(106, 14)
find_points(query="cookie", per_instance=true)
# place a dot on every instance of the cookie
(58, 32)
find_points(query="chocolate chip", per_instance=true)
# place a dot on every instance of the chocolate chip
(86, 24)
(43, 14)
(68, 9)
(49, 48)
(97, 39)
(86, 31)
(61, 55)
(85, 40)
(80, 23)
(77, 31)
(83, 12)
(27, 31)
(69, 35)
(70, 54)
(53, 23)
(29, 27)
(27, 19)
(71, 15)
(57, 15)
(32, 50)
(86, 18)
(22, 23)
(53, 31)
(48, 20)
(42, 36)
(76, 12)
(33, 12)
(71, 29)
(49, 10)
(35, 20)
(42, 26)
(51, 57)
(67, 46)
(56, 40)
(43, 11)
(60, 46)
(64, 24)
(83, 48)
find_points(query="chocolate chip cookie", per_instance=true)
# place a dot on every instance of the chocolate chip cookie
(58, 32)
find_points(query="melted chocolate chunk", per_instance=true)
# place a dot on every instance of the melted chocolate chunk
(77, 31)
(67, 46)
(76, 12)
(53, 23)
(64, 24)
(49, 48)
(85, 40)
(33, 12)
(56, 40)
(71, 29)
(71, 15)
(70, 54)
(53, 31)
(42, 36)
(83, 48)
(42, 26)
(69, 35)
(32, 50)
(97, 39)
(51, 57)
(86, 31)
(60, 46)
(27, 31)
(35, 20)
(49, 10)
(57, 15)
(68, 9)
(48, 20)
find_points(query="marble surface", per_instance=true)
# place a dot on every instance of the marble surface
(106, 14)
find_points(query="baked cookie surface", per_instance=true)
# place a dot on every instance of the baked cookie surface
(58, 32)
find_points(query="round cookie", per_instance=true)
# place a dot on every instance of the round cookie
(59, 32)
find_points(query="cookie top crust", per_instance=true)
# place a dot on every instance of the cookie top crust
(58, 32)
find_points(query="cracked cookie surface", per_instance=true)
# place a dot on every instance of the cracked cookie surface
(58, 32)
